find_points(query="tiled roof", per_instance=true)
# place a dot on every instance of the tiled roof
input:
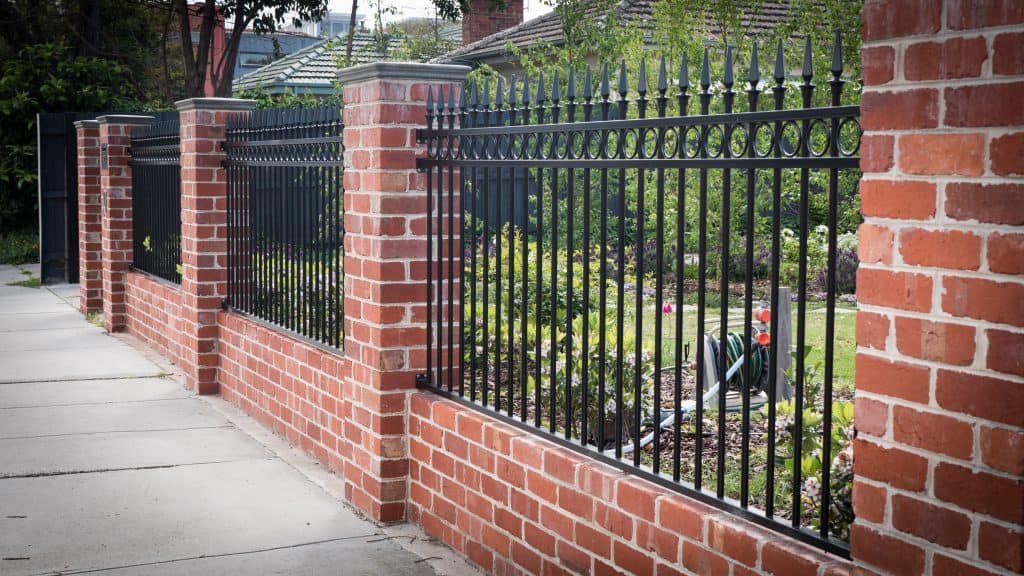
(638, 12)
(313, 69)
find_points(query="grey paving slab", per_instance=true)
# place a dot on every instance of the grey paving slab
(86, 521)
(366, 556)
(119, 417)
(82, 336)
(119, 451)
(25, 323)
(16, 300)
(38, 394)
(113, 360)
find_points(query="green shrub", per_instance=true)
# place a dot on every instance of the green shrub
(19, 246)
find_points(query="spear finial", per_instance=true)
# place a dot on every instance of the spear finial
(705, 72)
(605, 88)
(641, 85)
(754, 77)
(837, 56)
(684, 74)
(808, 71)
(780, 65)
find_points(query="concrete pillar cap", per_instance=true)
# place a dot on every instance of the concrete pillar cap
(230, 104)
(131, 119)
(403, 71)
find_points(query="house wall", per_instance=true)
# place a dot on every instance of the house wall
(483, 19)
(939, 457)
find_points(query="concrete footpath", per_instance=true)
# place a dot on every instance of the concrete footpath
(108, 466)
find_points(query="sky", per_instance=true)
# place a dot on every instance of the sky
(409, 8)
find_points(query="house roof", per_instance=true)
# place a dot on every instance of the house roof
(548, 28)
(314, 69)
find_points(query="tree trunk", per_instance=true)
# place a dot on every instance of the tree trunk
(351, 33)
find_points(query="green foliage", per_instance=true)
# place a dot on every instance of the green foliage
(27, 283)
(47, 78)
(289, 99)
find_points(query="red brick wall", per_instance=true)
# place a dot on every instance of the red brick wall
(514, 503)
(291, 387)
(940, 377)
(90, 262)
(482, 20)
(154, 313)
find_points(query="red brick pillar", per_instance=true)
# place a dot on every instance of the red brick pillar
(115, 137)
(385, 270)
(90, 245)
(204, 247)
(939, 458)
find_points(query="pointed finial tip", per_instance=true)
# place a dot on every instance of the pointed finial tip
(662, 76)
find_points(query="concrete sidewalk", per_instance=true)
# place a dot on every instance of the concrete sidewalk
(108, 466)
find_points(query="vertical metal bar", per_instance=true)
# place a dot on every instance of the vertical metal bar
(434, 381)
(753, 78)
(723, 278)
(806, 92)
(778, 93)
(510, 192)
(585, 347)
(620, 307)
(570, 216)
(836, 85)
(702, 249)
(683, 101)
(553, 385)
(603, 269)
(638, 249)
(451, 247)
(659, 266)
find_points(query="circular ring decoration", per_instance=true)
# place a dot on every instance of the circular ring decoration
(738, 141)
(432, 147)
(650, 139)
(560, 149)
(713, 141)
(763, 140)
(530, 146)
(593, 145)
(819, 138)
(792, 139)
(576, 146)
(611, 144)
(516, 147)
(849, 131)
(670, 143)
(691, 142)
(504, 146)
(464, 145)
(631, 144)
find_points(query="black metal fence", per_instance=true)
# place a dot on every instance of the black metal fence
(631, 235)
(156, 200)
(285, 254)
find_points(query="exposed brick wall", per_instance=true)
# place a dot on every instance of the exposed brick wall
(291, 387)
(517, 504)
(203, 233)
(483, 20)
(116, 213)
(940, 395)
(385, 267)
(153, 313)
(90, 245)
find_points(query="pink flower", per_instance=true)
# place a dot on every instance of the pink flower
(667, 308)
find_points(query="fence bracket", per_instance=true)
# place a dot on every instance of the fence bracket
(422, 380)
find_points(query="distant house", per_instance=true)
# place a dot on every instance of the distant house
(494, 48)
(257, 50)
(313, 69)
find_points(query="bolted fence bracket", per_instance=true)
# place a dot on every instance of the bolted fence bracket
(422, 380)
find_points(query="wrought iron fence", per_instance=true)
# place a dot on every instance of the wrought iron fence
(284, 169)
(582, 245)
(156, 200)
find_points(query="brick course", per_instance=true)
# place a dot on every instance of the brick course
(941, 327)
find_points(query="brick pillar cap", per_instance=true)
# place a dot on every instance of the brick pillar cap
(230, 104)
(403, 71)
(124, 119)
(85, 124)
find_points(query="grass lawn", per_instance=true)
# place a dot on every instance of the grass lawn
(845, 342)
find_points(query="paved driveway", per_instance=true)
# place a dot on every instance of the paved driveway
(108, 466)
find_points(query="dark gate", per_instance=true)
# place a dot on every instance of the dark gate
(58, 196)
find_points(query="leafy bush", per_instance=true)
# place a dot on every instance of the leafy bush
(19, 246)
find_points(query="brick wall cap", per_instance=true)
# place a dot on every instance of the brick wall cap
(230, 104)
(86, 124)
(125, 119)
(403, 71)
